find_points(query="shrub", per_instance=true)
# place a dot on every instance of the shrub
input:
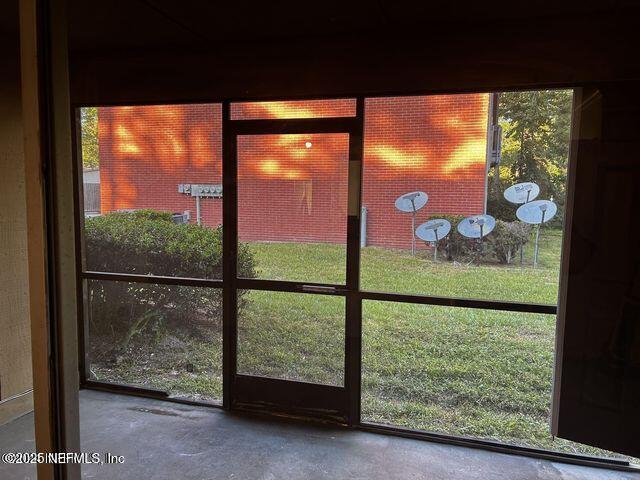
(455, 245)
(505, 240)
(501, 244)
(148, 242)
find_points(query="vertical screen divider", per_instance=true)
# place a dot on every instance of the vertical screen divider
(229, 255)
(353, 323)
(80, 249)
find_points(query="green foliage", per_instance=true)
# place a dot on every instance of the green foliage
(536, 126)
(89, 129)
(455, 245)
(497, 205)
(148, 242)
(504, 242)
(501, 244)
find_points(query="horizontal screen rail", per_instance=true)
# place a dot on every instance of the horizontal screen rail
(146, 392)
(325, 289)
(152, 279)
(293, 126)
(461, 302)
(289, 286)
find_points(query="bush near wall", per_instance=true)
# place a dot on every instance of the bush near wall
(501, 245)
(505, 240)
(148, 242)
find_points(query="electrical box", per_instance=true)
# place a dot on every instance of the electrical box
(181, 217)
(201, 190)
(496, 146)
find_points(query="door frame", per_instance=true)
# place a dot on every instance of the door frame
(248, 392)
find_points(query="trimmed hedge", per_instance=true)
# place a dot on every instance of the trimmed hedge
(148, 242)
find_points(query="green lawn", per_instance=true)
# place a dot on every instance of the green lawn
(398, 272)
(478, 373)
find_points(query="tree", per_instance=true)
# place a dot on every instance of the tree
(89, 129)
(535, 147)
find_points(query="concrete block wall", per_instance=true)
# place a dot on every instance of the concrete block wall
(15, 327)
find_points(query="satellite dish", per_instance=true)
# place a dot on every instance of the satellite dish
(522, 192)
(476, 226)
(433, 230)
(537, 212)
(411, 202)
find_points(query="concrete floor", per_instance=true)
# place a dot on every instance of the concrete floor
(163, 440)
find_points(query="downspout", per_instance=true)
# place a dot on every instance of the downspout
(494, 146)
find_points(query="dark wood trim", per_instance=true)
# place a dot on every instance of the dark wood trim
(35, 126)
(379, 93)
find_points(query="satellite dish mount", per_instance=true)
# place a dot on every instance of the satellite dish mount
(537, 246)
(435, 245)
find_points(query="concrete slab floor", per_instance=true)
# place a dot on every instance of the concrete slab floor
(161, 440)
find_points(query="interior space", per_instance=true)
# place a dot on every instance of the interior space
(371, 240)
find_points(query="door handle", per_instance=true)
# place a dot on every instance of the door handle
(318, 288)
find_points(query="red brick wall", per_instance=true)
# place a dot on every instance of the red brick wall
(288, 192)
(436, 144)
(146, 151)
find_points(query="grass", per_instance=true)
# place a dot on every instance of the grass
(398, 272)
(292, 336)
(477, 373)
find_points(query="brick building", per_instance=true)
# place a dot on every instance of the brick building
(294, 187)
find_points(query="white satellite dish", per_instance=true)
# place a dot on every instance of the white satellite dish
(433, 231)
(410, 203)
(522, 192)
(476, 226)
(537, 212)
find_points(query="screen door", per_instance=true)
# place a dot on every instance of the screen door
(292, 190)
